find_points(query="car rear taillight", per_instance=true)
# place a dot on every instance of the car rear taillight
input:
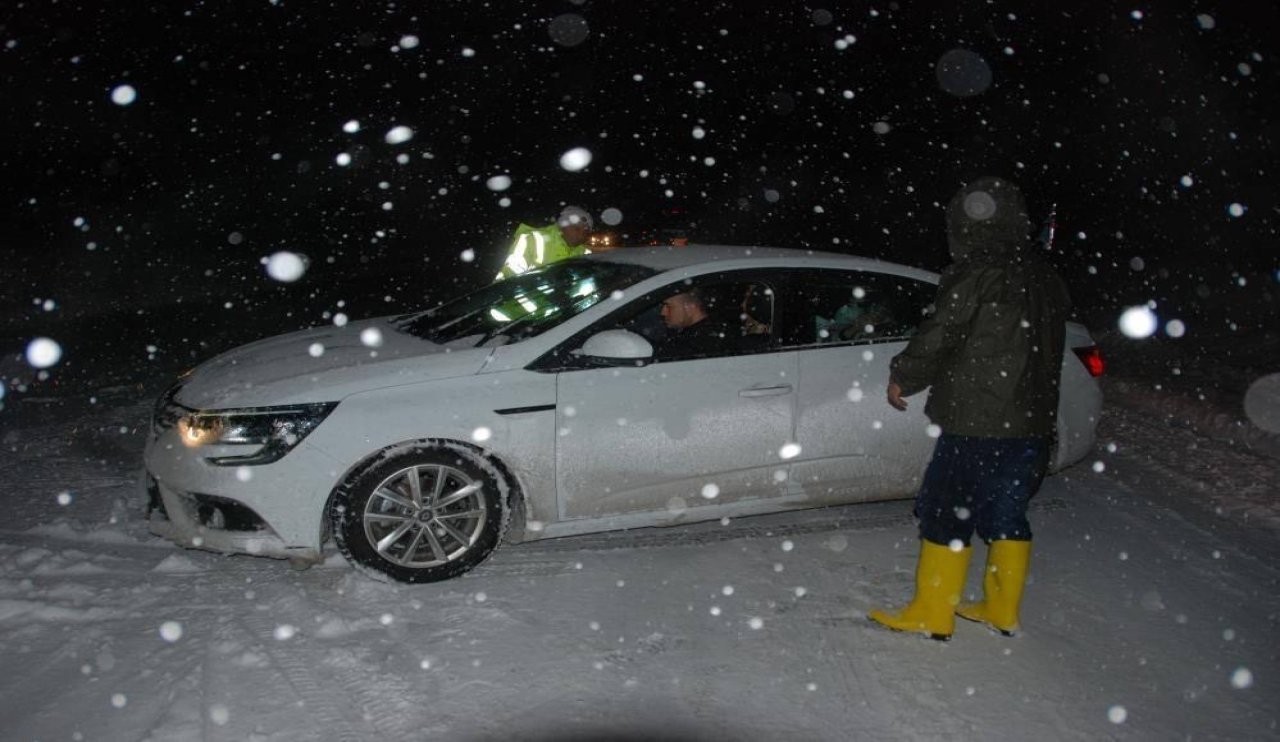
(1091, 357)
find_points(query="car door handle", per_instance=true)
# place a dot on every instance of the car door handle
(765, 391)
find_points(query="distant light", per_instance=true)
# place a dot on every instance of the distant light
(123, 95)
(575, 159)
(1138, 322)
(399, 135)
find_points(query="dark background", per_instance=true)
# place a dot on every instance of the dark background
(228, 153)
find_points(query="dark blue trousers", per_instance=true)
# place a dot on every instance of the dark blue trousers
(980, 483)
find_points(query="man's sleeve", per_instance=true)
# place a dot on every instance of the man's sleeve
(917, 367)
(516, 261)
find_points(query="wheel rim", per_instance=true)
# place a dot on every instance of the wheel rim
(425, 516)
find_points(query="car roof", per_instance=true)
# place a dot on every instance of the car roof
(670, 257)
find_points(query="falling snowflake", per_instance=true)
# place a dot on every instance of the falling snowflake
(285, 266)
(399, 135)
(43, 352)
(1138, 322)
(123, 95)
(171, 631)
(575, 159)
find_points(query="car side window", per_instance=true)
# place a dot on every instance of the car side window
(855, 307)
(705, 318)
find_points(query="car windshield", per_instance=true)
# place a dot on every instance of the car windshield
(523, 306)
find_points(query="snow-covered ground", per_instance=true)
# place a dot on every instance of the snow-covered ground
(1151, 612)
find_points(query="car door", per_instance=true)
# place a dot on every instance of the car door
(847, 326)
(684, 431)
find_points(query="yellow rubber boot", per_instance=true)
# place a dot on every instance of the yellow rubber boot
(940, 577)
(1006, 573)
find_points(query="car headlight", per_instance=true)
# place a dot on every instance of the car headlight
(266, 433)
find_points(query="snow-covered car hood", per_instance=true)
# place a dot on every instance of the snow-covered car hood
(323, 364)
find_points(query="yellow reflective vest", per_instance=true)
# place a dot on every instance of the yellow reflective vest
(535, 246)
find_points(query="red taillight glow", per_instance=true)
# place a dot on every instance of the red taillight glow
(1091, 357)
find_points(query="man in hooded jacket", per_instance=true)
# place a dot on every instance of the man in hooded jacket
(991, 355)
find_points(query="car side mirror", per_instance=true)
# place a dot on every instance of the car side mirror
(616, 345)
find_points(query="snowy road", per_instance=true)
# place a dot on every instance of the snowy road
(1151, 614)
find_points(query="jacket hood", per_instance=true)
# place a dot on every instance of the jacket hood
(988, 219)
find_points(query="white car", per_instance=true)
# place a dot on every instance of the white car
(550, 404)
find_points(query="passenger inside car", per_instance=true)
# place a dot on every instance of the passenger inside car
(856, 319)
(757, 309)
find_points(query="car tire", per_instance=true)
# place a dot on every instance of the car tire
(450, 521)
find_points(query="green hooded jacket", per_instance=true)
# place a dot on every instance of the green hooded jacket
(991, 354)
(535, 246)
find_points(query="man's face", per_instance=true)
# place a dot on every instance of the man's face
(679, 311)
(575, 234)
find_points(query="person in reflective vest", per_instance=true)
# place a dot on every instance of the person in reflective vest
(536, 246)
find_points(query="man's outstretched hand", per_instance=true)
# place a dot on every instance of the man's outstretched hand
(895, 397)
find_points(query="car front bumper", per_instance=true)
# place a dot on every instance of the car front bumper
(276, 510)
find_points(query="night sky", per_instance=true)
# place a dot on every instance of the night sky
(824, 126)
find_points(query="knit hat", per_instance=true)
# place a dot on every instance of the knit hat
(575, 215)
